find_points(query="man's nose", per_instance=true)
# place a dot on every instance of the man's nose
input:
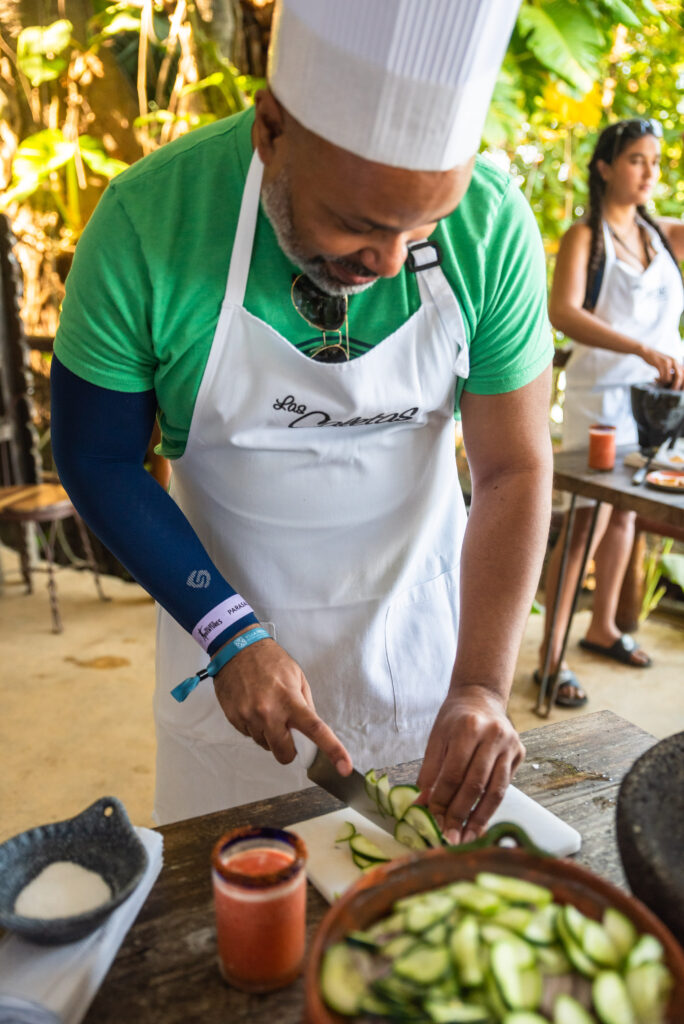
(387, 256)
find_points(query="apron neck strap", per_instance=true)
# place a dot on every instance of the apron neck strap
(244, 235)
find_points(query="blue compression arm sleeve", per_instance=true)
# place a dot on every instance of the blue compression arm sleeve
(99, 440)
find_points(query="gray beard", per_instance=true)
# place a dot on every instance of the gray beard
(277, 204)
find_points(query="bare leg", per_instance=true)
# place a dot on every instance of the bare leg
(611, 560)
(577, 545)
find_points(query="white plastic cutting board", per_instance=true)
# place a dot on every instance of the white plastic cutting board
(331, 869)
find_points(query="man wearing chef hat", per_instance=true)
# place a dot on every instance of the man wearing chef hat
(306, 292)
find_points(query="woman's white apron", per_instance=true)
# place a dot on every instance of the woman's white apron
(327, 494)
(643, 305)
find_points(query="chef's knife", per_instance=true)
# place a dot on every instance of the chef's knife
(350, 789)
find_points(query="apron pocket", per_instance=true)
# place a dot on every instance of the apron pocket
(421, 630)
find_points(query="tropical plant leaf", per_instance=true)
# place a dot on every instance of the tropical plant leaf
(25, 188)
(673, 568)
(620, 12)
(96, 158)
(40, 154)
(39, 49)
(563, 40)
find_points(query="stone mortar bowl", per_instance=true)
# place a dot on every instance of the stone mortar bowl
(657, 412)
(650, 830)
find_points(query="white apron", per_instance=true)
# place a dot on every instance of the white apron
(327, 494)
(644, 305)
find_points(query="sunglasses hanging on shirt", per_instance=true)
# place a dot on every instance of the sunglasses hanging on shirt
(328, 314)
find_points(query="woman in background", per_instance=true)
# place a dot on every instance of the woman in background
(617, 292)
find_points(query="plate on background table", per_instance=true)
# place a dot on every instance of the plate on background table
(666, 480)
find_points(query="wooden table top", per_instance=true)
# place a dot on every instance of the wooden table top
(166, 973)
(571, 473)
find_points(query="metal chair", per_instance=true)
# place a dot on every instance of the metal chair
(35, 505)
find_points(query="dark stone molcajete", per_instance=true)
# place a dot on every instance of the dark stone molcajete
(650, 830)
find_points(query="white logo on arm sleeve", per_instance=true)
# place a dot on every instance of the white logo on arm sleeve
(199, 579)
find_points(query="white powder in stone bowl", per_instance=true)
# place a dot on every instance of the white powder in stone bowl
(62, 889)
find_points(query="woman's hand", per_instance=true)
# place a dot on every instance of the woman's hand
(670, 370)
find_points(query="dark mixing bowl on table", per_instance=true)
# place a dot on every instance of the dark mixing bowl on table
(658, 412)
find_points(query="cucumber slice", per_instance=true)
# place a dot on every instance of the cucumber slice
(363, 940)
(432, 908)
(620, 930)
(363, 862)
(515, 890)
(542, 928)
(387, 927)
(371, 778)
(346, 832)
(424, 824)
(367, 848)
(524, 1017)
(597, 945)
(575, 954)
(466, 953)
(453, 1011)
(567, 1010)
(575, 922)
(437, 935)
(521, 988)
(611, 1001)
(343, 978)
(407, 835)
(648, 987)
(423, 964)
(646, 950)
(552, 960)
(515, 918)
(383, 790)
(398, 946)
(532, 987)
(472, 897)
(525, 953)
(400, 799)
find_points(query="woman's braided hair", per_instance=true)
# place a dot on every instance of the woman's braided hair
(611, 143)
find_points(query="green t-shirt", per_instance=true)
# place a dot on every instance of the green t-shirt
(149, 274)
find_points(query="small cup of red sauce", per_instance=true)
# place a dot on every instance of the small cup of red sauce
(601, 447)
(259, 882)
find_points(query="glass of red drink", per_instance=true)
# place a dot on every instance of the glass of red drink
(259, 882)
(601, 447)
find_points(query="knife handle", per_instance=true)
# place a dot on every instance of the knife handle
(306, 748)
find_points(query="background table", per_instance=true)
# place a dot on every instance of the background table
(166, 970)
(660, 510)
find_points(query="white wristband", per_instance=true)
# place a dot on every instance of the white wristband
(219, 618)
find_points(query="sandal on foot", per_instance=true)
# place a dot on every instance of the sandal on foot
(565, 678)
(623, 650)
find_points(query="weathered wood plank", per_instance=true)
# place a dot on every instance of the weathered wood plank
(166, 971)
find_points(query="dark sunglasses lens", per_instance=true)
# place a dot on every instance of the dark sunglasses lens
(327, 312)
(330, 354)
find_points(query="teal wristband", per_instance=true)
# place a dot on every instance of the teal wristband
(221, 658)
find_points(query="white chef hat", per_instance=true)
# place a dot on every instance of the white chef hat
(400, 82)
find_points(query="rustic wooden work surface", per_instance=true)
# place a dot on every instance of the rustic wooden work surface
(165, 972)
(571, 473)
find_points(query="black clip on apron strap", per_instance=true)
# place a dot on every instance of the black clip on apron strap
(422, 256)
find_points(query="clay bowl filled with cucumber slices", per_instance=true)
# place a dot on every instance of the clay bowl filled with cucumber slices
(489, 934)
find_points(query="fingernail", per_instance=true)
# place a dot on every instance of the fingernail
(343, 767)
(469, 835)
(453, 836)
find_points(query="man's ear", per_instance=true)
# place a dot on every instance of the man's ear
(269, 124)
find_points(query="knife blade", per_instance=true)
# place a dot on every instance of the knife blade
(350, 789)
